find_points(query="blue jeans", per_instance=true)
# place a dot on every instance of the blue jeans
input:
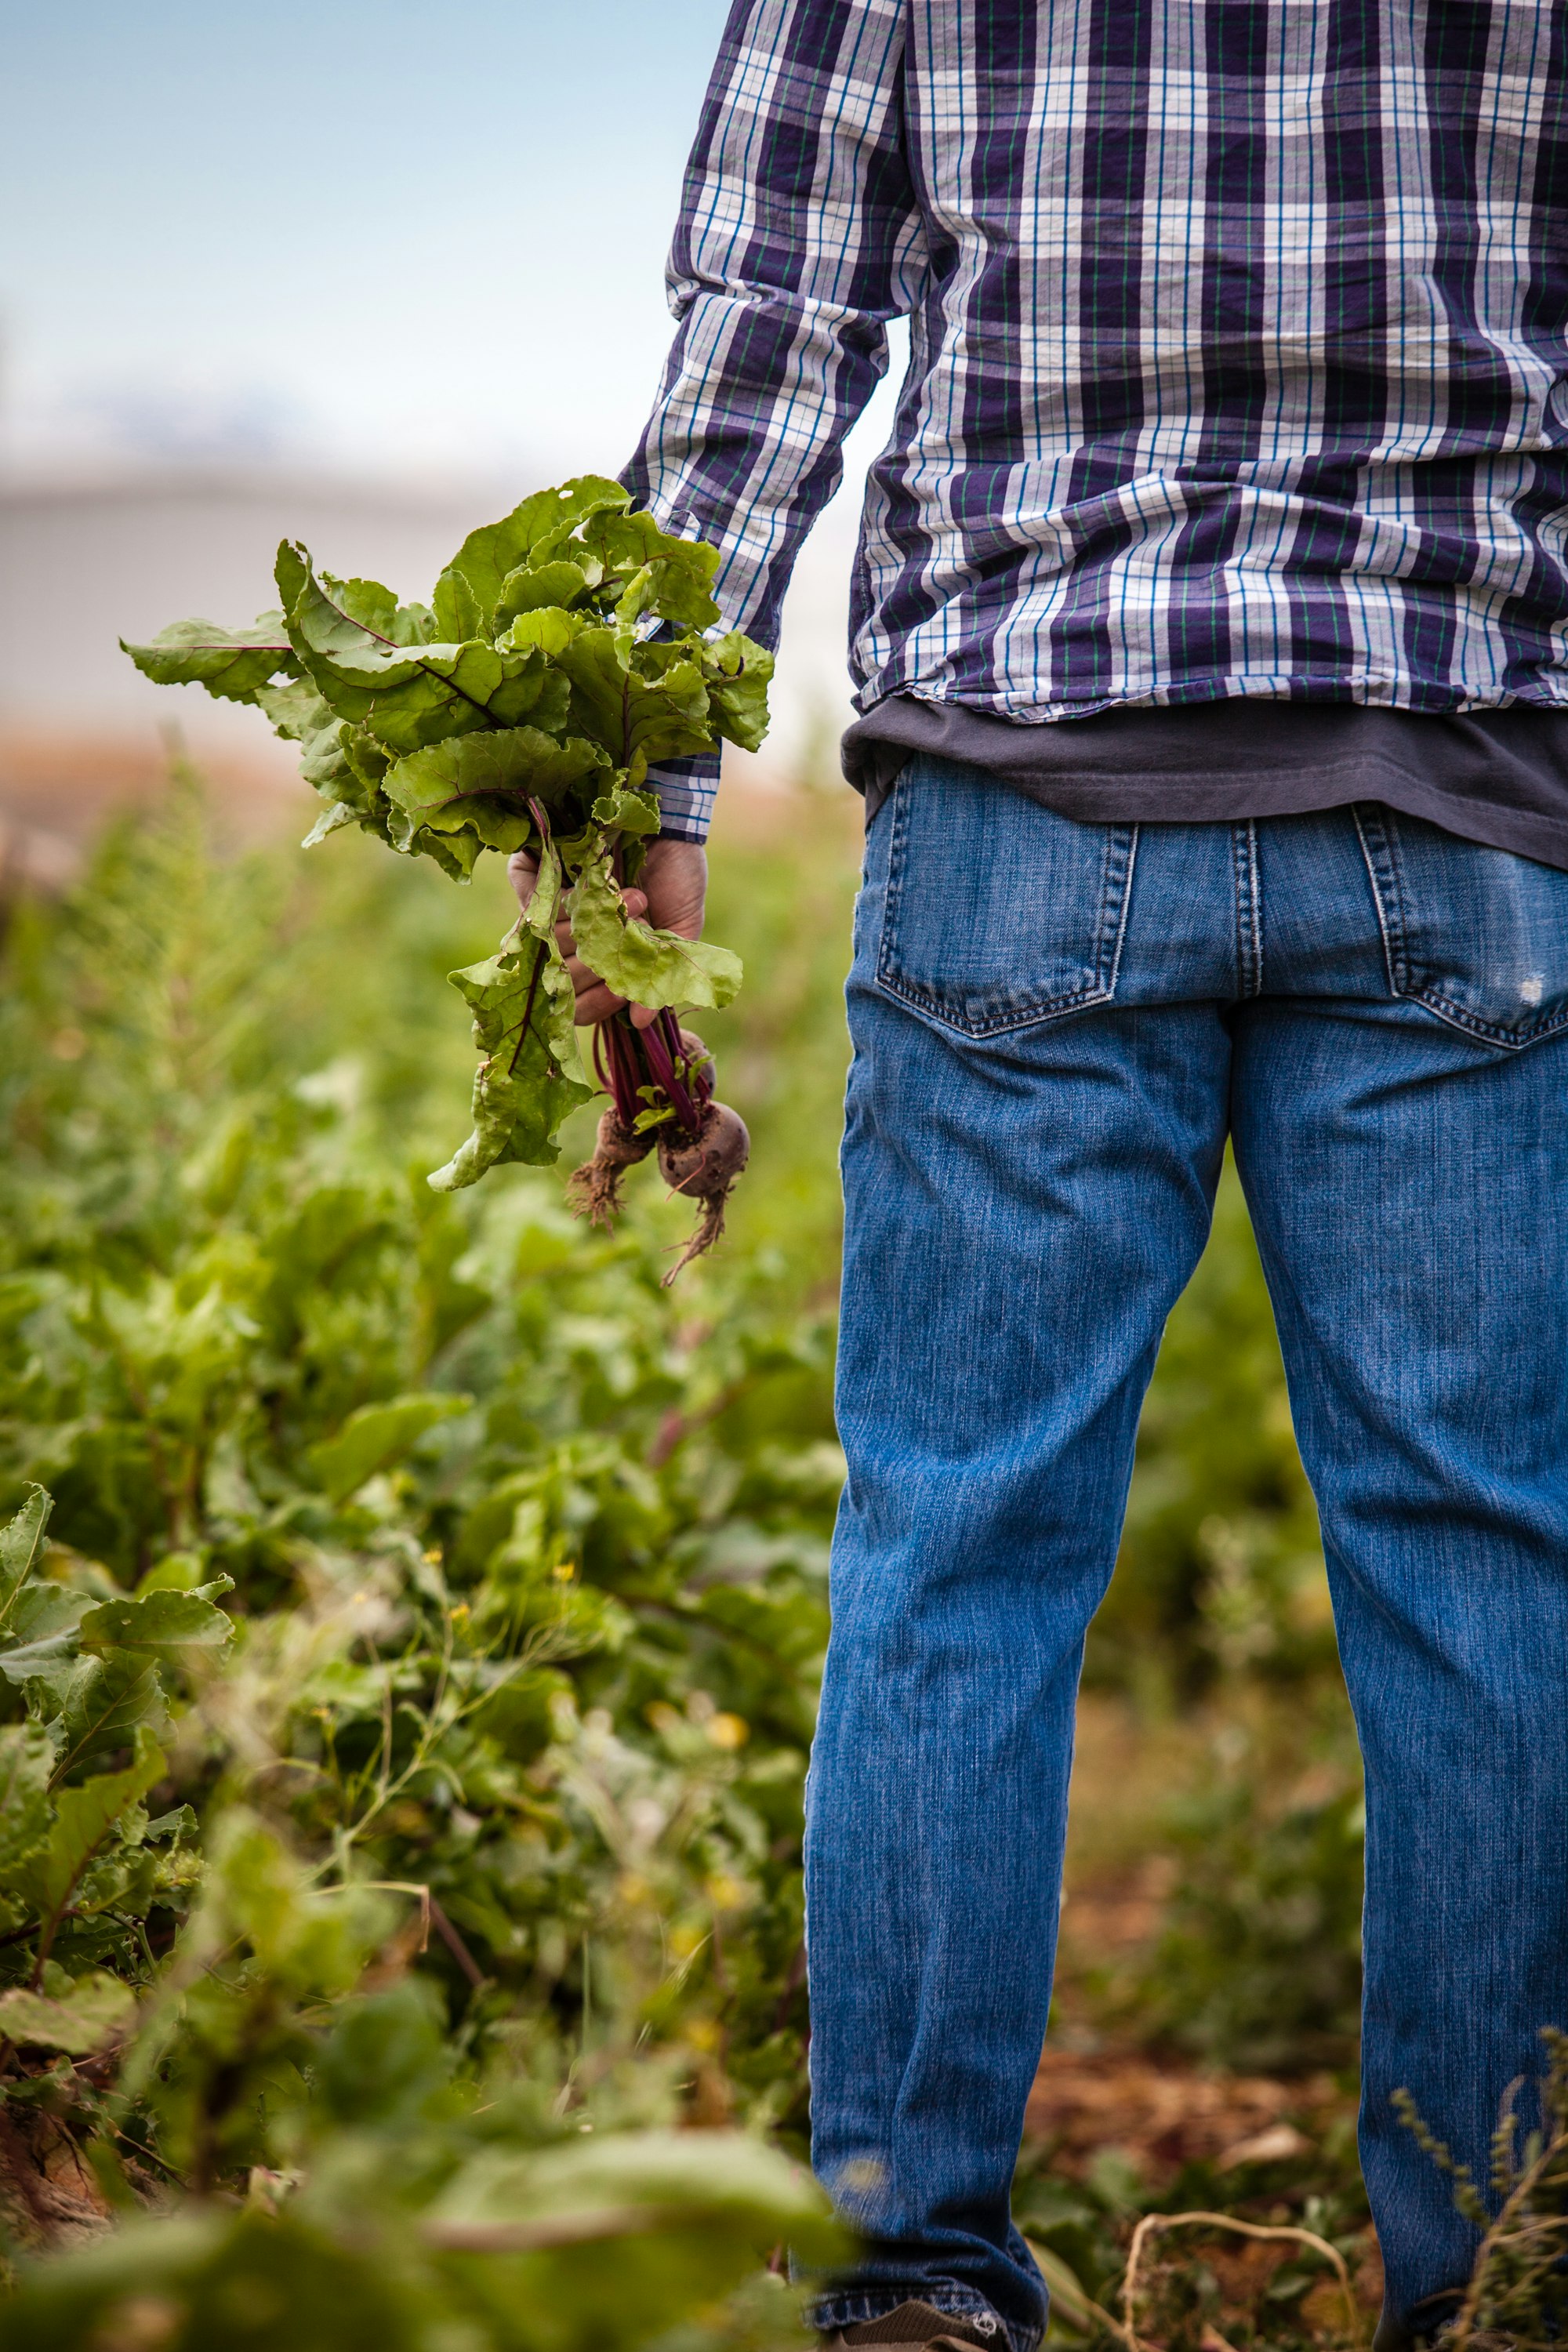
(1056, 1026)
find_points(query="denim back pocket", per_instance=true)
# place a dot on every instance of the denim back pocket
(998, 913)
(1477, 935)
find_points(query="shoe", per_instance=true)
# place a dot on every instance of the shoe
(919, 2327)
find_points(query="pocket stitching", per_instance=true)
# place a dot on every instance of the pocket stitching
(1050, 1008)
(1388, 895)
(1458, 1018)
(1014, 1016)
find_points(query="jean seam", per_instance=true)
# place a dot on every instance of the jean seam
(1249, 909)
(895, 858)
(1121, 847)
(1379, 854)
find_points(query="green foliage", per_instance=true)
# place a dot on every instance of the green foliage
(1221, 1570)
(232, 663)
(530, 1077)
(1517, 2293)
(648, 966)
(531, 725)
(1260, 1961)
(463, 2236)
(82, 1868)
(476, 1612)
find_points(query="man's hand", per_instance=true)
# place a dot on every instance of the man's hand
(671, 892)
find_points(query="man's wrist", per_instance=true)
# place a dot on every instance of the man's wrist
(686, 791)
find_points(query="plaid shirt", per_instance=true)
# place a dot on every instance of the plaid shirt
(1239, 346)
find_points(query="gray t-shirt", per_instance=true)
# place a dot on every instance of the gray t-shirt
(1495, 776)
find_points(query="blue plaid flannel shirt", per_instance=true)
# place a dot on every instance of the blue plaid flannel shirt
(1238, 347)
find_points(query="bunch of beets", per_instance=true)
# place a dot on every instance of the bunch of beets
(566, 650)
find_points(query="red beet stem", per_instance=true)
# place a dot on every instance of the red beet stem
(626, 1059)
(623, 1077)
(656, 1048)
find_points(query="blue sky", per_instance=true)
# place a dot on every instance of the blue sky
(384, 235)
(391, 240)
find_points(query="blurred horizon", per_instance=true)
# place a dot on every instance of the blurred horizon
(364, 244)
(402, 267)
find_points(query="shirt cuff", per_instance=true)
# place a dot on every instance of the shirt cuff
(687, 790)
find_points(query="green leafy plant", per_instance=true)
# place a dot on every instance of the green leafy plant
(565, 649)
(1221, 1569)
(489, 1854)
(85, 1675)
(1518, 2290)
(418, 2226)
(1258, 1963)
(483, 1779)
(92, 1881)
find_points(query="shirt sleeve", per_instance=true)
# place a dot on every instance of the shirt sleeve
(799, 239)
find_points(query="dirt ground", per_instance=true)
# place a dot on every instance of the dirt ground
(1166, 2115)
(1096, 2087)
(1098, 2091)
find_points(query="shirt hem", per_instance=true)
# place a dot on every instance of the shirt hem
(1197, 788)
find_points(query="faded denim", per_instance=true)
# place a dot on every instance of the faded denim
(1057, 1027)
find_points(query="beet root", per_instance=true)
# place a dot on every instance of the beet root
(595, 1189)
(703, 1168)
